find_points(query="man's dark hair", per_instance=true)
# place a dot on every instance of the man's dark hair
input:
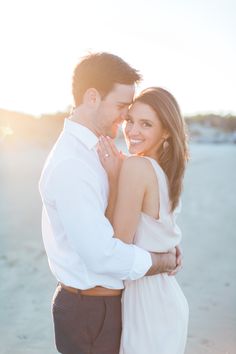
(101, 71)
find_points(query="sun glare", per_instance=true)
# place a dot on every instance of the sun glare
(36, 69)
(5, 131)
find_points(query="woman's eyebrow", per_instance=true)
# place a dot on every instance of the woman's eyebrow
(124, 103)
(145, 120)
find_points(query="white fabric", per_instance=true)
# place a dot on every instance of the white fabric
(78, 238)
(154, 309)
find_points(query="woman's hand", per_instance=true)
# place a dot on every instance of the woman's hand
(111, 159)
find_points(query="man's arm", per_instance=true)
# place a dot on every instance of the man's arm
(76, 194)
(162, 263)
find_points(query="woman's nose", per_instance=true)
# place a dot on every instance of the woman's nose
(134, 129)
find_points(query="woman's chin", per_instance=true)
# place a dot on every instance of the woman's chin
(133, 150)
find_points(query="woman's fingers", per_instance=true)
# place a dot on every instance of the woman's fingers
(109, 146)
(100, 153)
(112, 146)
(107, 156)
(105, 146)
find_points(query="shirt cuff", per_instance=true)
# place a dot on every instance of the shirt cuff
(142, 263)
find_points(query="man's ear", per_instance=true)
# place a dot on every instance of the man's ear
(92, 97)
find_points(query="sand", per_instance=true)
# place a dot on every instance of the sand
(208, 279)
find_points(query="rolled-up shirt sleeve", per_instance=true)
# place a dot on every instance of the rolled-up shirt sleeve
(76, 196)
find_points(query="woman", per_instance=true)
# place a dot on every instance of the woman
(142, 209)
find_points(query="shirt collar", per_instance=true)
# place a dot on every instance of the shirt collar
(85, 135)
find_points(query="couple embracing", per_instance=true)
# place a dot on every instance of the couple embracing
(109, 221)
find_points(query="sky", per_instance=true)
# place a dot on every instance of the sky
(185, 46)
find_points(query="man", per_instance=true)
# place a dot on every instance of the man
(88, 262)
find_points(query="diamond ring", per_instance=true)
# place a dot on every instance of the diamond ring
(107, 155)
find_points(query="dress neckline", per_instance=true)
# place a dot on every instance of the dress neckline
(156, 166)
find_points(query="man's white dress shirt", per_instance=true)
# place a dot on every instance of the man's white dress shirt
(78, 238)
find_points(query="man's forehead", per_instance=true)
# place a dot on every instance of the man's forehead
(123, 93)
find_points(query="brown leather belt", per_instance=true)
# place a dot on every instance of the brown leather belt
(97, 291)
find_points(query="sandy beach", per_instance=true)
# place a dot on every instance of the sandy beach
(208, 279)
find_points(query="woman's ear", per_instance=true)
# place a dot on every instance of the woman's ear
(166, 135)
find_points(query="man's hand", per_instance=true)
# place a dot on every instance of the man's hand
(170, 262)
(179, 261)
(163, 263)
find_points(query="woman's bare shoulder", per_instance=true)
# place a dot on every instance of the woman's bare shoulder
(137, 165)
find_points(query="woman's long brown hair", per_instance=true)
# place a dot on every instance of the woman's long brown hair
(174, 155)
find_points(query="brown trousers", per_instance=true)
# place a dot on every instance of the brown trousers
(86, 324)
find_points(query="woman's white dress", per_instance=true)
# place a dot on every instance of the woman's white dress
(154, 308)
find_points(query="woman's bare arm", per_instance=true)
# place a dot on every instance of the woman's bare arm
(130, 196)
(126, 199)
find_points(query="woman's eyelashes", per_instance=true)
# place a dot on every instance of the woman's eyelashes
(146, 124)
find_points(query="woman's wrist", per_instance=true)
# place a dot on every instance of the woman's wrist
(113, 180)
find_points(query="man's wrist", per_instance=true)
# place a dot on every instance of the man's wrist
(162, 263)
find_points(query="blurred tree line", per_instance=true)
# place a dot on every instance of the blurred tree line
(44, 130)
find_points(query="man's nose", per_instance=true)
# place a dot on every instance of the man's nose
(123, 114)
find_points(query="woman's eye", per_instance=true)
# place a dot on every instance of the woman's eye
(146, 124)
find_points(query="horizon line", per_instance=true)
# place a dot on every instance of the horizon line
(221, 113)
